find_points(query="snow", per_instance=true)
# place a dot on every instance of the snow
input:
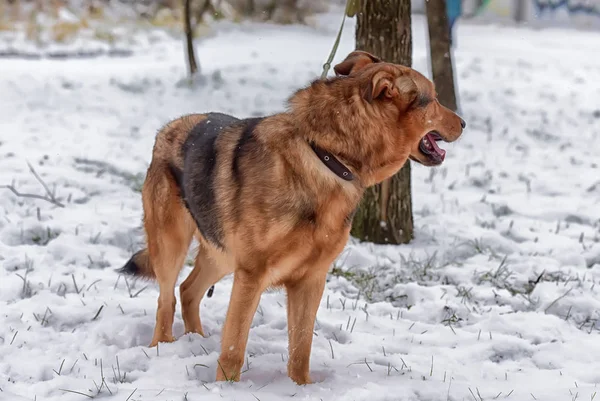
(496, 297)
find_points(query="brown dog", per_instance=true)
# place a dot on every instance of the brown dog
(271, 199)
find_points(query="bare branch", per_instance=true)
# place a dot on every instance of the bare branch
(189, 38)
(50, 197)
(37, 177)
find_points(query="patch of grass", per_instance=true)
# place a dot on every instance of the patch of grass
(118, 376)
(26, 289)
(100, 390)
(451, 318)
(45, 318)
(99, 263)
(166, 18)
(62, 31)
(498, 277)
(375, 282)
(364, 281)
(479, 246)
(99, 168)
(337, 271)
(43, 237)
(422, 270)
(464, 293)
(105, 35)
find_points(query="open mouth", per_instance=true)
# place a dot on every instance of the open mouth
(428, 146)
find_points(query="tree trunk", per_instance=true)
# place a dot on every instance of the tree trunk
(441, 58)
(520, 11)
(189, 38)
(385, 214)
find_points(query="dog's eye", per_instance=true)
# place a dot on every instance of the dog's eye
(422, 101)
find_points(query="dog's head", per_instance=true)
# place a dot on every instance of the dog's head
(404, 105)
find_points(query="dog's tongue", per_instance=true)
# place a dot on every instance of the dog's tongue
(429, 142)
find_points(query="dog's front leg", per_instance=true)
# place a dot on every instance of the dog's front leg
(245, 295)
(304, 297)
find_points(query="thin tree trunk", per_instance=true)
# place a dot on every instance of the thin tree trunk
(189, 38)
(441, 57)
(520, 10)
(385, 214)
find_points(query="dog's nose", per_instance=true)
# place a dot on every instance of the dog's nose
(463, 123)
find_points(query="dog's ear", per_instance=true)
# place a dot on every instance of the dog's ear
(355, 61)
(384, 85)
(407, 89)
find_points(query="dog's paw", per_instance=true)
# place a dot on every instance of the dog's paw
(162, 339)
(195, 329)
(301, 379)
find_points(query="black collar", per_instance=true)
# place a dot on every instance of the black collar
(332, 163)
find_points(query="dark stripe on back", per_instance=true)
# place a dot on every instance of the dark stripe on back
(178, 177)
(245, 145)
(200, 158)
(241, 148)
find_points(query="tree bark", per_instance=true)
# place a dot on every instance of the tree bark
(520, 11)
(441, 57)
(189, 38)
(385, 214)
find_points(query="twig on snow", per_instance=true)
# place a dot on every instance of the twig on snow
(558, 299)
(49, 197)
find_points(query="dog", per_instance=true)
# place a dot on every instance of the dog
(271, 199)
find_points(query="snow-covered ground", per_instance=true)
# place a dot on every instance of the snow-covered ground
(496, 297)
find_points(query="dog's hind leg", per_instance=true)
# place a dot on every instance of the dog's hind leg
(206, 273)
(169, 230)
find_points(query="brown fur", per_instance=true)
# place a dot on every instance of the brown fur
(283, 216)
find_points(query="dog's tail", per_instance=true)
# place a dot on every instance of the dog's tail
(138, 265)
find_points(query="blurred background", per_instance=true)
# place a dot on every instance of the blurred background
(65, 18)
(63, 14)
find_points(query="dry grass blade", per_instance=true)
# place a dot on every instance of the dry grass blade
(77, 290)
(98, 313)
(94, 283)
(139, 292)
(558, 299)
(13, 339)
(60, 368)
(131, 395)
(76, 392)
(431, 370)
